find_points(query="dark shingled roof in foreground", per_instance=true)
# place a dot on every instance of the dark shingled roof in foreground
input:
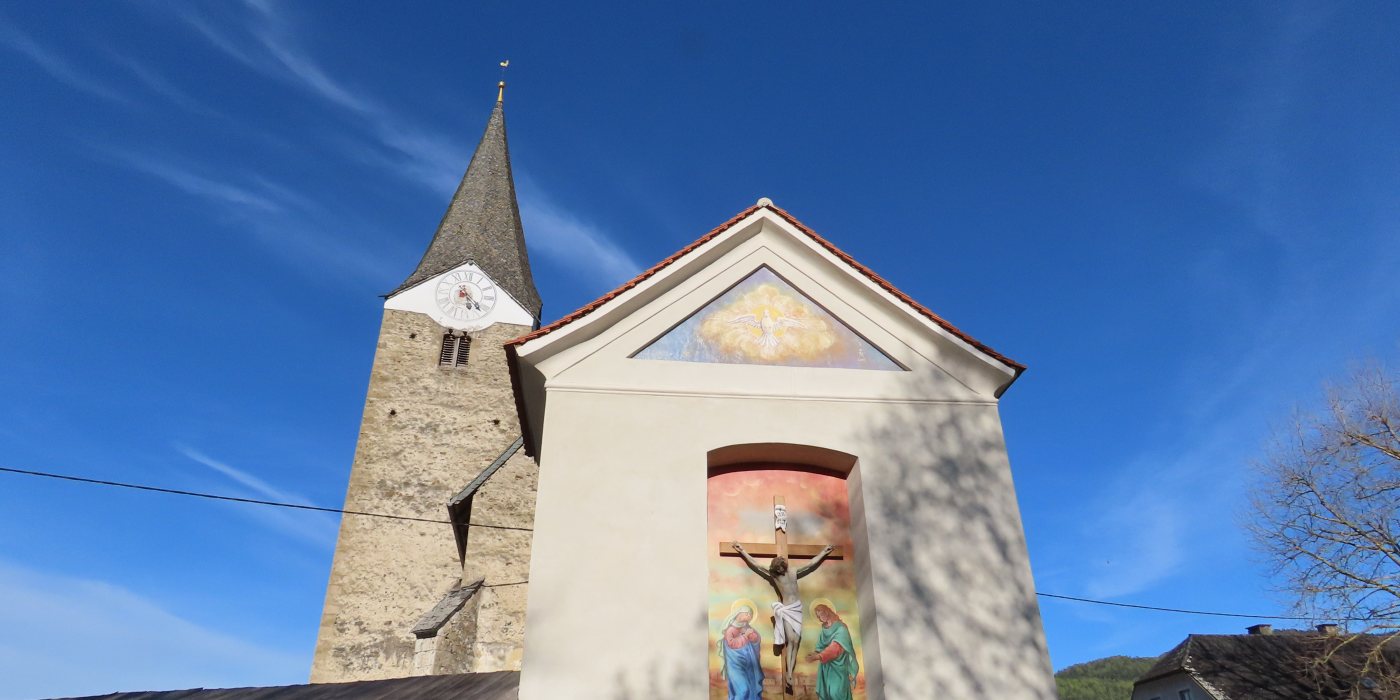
(1285, 665)
(503, 685)
(482, 223)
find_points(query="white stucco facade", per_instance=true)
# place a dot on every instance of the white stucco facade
(618, 593)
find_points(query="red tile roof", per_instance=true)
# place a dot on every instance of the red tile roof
(512, 352)
(593, 306)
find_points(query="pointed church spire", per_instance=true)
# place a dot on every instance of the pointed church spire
(482, 223)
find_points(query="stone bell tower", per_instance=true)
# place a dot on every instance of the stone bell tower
(439, 442)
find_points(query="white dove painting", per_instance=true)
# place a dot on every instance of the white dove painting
(764, 320)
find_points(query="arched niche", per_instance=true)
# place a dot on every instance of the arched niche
(804, 457)
(811, 478)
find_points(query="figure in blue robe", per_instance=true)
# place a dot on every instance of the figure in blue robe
(739, 659)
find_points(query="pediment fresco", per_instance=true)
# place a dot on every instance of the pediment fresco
(763, 320)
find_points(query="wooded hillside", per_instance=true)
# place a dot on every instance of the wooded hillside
(1103, 679)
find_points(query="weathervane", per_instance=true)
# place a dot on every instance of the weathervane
(501, 86)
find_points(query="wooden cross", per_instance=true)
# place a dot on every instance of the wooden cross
(780, 548)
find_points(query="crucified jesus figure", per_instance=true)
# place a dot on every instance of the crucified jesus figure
(787, 615)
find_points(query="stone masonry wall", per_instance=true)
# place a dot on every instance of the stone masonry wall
(425, 433)
(488, 633)
(503, 558)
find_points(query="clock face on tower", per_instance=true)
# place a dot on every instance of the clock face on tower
(465, 295)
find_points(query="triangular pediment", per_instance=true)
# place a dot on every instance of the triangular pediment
(764, 320)
(714, 319)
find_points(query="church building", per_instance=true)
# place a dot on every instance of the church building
(439, 440)
(757, 470)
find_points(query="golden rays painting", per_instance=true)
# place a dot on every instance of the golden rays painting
(764, 321)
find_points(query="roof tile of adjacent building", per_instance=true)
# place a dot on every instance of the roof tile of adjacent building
(1285, 665)
(482, 223)
(502, 685)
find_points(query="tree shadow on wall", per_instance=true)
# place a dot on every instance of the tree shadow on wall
(957, 614)
(948, 554)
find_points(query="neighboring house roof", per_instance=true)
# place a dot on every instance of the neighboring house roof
(921, 309)
(503, 685)
(482, 223)
(1285, 665)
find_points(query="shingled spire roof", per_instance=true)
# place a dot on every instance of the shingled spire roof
(482, 223)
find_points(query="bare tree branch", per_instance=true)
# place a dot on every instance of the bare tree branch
(1326, 513)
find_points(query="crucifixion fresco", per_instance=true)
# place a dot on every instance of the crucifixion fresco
(806, 611)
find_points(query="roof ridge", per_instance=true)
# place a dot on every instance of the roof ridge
(592, 306)
(830, 247)
(887, 286)
(1171, 661)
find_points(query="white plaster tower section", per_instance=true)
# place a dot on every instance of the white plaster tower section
(463, 299)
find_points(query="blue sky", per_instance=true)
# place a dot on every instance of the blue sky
(1182, 218)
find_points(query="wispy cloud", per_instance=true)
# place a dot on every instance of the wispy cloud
(310, 74)
(58, 67)
(262, 488)
(315, 528)
(157, 83)
(267, 44)
(1140, 543)
(63, 636)
(219, 36)
(1176, 506)
(241, 199)
(274, 215)
(570, 240)
(1250, 165)
(1158, 519)
(1174, 509)
(265, 41)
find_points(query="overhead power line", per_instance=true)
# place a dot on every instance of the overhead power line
(237, 499)
(301, 506)
(1189, 612)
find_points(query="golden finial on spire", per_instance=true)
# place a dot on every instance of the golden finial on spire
(501, 86)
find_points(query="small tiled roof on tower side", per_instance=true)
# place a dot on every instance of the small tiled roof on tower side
(482, 223)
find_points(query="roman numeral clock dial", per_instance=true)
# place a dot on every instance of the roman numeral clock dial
(465, 295)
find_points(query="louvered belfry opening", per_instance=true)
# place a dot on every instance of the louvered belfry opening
(456, 349)
(464, 350)
(449, 350)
